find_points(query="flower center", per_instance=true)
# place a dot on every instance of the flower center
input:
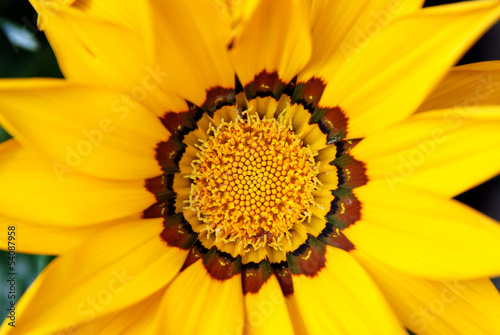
(252, 182)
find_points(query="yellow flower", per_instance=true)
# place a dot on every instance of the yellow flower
(255, 167)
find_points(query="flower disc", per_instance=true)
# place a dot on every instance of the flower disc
(253, 181)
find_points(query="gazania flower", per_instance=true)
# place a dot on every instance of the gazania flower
(255, 167)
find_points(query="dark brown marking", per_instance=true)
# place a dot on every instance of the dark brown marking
(177, 232)
(344, 147)
(333, 236)
(254, 275)
(162, 208)
(221, 265)
(290, 88)
(345, 209)
(350, 171)
(218, 97)
(309, 93)
(308, 259)
(238, 88)
(179, 124)
(195, 254)
(284, 276)
(230, 45)
(265, 85)
(160, 186)
(332, 123)
(169, 153)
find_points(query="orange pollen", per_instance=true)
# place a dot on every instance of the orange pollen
(252, 182)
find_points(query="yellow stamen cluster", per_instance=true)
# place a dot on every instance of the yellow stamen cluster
(252, 182)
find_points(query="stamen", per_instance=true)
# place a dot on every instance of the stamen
(253, 181)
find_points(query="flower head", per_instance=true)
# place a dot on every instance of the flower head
(255, 167)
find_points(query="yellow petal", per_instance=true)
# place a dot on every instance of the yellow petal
(31, 238)
(275, 38)
(387, 79)
(445, 152)
(90, 50)
(89, 130)
(355, 23)
(196, 303)
(342, 299)
(431, 307)
(425, 235)
(266, 311)
(125, 12)
(190, 46)
(235, 12)
(36, 189)
(117, 268)
(467, 87)
(135, 319)
(95, 48)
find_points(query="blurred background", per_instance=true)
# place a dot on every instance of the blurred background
(24, 52)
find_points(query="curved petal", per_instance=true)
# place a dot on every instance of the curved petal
(135, 319)
(125, 12)
(388, 78)
(467, 87)
(190, 46)
(355, 23)
(128, 13)
(431, 307)
(39, 190)
(95, 48)
(425, 235)
(235, 12)
(31, 238)
(342, 299)
(266, 311)
(119, 267)
(445, 152)
(196, 303)
(102, 136)
(274, 39)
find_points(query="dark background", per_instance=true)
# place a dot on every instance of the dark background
(486, 197)
(31, 56)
